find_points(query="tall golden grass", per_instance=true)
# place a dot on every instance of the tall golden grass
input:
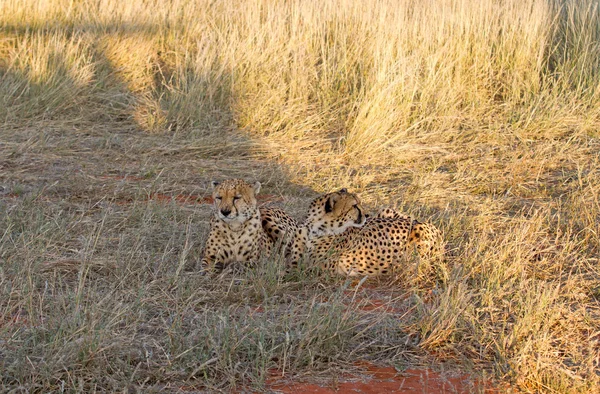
(373, 73)
(481, 113)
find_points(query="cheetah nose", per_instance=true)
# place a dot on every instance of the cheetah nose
(225, 212)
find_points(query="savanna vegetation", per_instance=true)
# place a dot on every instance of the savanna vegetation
(479, 115)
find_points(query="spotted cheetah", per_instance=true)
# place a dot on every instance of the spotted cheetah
(366, 247)
(240, 231)
(236, 233)
(328, 215)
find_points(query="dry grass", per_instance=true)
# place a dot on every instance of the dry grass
(481, 115)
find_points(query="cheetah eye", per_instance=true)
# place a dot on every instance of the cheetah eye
(218, 198)
(236, 198)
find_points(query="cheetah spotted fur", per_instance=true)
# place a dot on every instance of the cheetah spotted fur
(370, 249)
(236, 234)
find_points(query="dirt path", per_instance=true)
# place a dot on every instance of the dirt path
(377, 379)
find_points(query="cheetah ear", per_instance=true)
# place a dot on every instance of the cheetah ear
(256, 187)
(330, 203)
(214, 184)
(343, 190)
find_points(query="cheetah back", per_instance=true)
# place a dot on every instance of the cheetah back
(375, 248)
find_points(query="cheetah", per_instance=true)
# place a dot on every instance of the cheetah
(240, 231)
(328, 215)
(236, 233)
(371, 247)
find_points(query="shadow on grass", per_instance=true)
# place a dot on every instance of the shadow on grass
(75, 84)
(114, 170)
(107, 212)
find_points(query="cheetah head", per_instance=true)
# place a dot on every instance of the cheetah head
(333, 213)
(235, 201)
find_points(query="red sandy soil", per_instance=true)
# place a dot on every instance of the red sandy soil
(376, 379)
(380, 379)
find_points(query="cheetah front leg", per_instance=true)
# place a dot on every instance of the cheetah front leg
(213, 257)
(297, 248)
